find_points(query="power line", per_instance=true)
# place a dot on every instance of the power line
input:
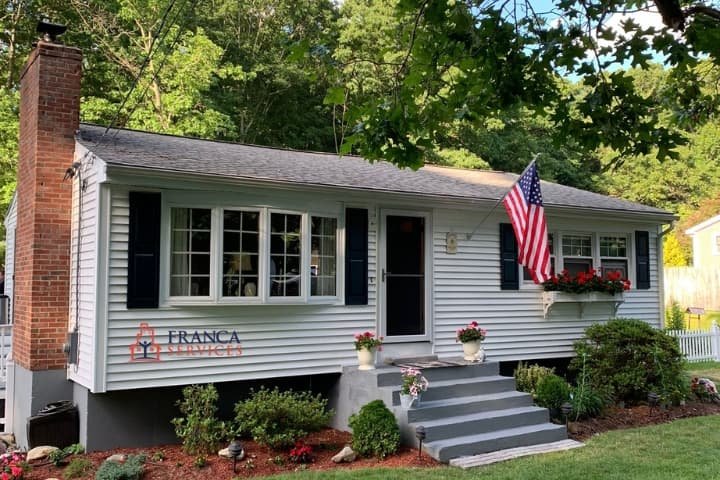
(142, 67)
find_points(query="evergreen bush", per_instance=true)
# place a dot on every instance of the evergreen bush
(279, 419)
(198, 428)
(675, 317)
(627, 358)
(375, 430)
(131, 469)
(552, 392)
(77, 468)
(527, 376)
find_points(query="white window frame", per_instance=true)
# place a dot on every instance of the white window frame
(595, 245)
(627, 258)
(216, 257)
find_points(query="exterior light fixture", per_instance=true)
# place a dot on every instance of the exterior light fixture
(235, 449)
(653, 401)
(566, 409)
(420, 435)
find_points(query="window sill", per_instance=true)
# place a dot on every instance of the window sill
(225, 302)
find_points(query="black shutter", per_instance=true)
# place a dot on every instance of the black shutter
(642, 260)
(356, 256)
(509, 271)
(144, 250)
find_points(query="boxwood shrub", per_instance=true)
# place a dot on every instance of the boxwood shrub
(375, 430)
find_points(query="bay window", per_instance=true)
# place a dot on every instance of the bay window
(285, 255)
(323, 259)
(241, 253)
(190, 252)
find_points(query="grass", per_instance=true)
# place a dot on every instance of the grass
(709, 370)
(702, 322)
(684, 449)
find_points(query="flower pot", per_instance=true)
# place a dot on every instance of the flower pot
(366, 359)
(472, 351)
(406, 400)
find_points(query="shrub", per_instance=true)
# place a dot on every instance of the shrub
(585, 400)
(527, 377)
(279, 419)
(77, 468)
(57, 457)
(301, 453)
(199, 429)
(627, 358)
(131, 469)
(375, 430)
(674, 317)
(552, 392)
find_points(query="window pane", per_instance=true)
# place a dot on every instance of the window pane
(608, 266)
(577, 245)
(577, 265)
(240, 249)
(323, 257)
(285, 254)
(190, 261)
(613, 246)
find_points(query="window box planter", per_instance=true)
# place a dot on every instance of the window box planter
(581, 299)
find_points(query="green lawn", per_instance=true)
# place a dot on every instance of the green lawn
(692, 322)
(709, 370)
(684, 449)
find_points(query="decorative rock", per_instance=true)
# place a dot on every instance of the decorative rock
(345, 455)
(225, 453)
(40, 452)
(8, 439)
(117, 458)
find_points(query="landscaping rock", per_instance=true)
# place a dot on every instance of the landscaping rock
(345, 455)
(225, 453)
(8, 439)
(40, 452)
(117, 458)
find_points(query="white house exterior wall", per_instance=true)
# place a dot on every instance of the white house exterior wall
(290, 340)
(10, 224)
(83, 371)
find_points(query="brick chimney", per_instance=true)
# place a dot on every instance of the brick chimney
(49, 118)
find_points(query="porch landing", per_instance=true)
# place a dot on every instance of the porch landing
(469, 409)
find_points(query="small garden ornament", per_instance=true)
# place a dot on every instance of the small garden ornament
(704, 389)
(471, 337)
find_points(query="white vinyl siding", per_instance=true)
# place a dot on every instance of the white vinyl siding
(277, 340)
(10, 226)
(83, 371)
(467, 288)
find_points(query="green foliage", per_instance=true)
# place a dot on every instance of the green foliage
(527, 376)
(77, 468)
(673, 253)
(585, 400)
(131, 469)
(674, 317)
(199, 429)
(375, 430)
(158, 456)
(627, 358)
(200, 461)
(57, 456)
(552, 392)
(279, 419)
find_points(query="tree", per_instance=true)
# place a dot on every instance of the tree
(470, 59)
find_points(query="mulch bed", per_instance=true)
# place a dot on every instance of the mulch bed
(261, 461)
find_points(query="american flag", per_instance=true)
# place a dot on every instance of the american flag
(525, 208)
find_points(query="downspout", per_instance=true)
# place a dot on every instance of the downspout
(661, 278)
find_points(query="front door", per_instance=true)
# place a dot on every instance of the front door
(404, 276)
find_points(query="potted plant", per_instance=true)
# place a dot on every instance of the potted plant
(413, 384)
(366, 345)
(471, 336)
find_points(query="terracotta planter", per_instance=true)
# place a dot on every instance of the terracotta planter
(366, 359)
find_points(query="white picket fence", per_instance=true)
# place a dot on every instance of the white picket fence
(699, 345)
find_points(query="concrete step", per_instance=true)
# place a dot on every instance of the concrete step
(511, 453)
(388, 376)
(432, 410)
(446, 449)
(463, 387)
(483, 422)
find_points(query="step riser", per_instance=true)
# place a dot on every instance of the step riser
(486, 425)
(462, 390)
(533, 438)
(416, 415)
(393, 377)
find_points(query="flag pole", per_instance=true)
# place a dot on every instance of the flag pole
(470, 235)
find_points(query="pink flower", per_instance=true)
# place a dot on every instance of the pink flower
(16, 471)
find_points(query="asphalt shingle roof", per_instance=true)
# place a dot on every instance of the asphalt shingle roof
(168, 153)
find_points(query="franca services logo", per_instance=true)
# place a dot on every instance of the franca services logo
(145, 349)
(184, 343)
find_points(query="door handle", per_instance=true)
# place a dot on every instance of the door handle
(383, 274)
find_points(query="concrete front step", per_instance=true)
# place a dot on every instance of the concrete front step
(511, 453)
(462, 387)
(446, 449)
(433, 410)
(483, 422)
(388, 376)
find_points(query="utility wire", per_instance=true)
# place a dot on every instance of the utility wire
(176, 39)
(142, 68)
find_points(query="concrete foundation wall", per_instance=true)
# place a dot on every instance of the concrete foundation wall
(30, 392)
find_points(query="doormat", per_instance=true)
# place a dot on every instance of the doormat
(430, 363)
